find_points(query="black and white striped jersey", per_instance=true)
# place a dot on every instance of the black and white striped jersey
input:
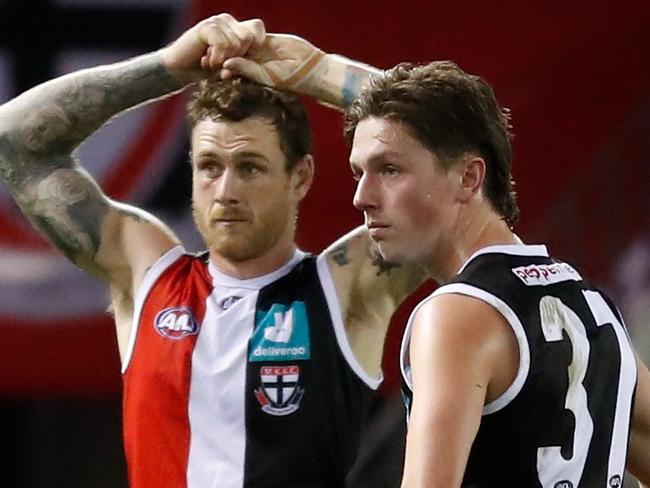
(564, 421)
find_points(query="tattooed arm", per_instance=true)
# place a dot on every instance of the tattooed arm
(40, 129)
(369, 290)
(292, 63)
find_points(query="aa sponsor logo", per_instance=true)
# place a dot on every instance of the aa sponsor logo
(176, 323)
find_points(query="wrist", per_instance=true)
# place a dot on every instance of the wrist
(336, 80)
(179, 76)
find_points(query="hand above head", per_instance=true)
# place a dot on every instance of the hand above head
(291, 63)
(201, 50)
(282, 61)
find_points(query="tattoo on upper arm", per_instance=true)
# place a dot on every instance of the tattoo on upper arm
(340, 254)
(131, 213)
(40, 129)
(69, 209)
(382, 265)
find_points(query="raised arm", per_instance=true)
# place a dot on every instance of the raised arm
(369, 289)
(40, 129)
(292, 63)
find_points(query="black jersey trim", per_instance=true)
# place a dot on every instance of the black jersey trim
(510, 249)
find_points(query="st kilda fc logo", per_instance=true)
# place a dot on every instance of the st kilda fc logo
(280, 393)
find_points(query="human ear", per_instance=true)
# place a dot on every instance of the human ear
(472, 176)
(303, 176)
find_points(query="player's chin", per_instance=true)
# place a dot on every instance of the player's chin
(389, 252)
(230, 249)
(238, 248)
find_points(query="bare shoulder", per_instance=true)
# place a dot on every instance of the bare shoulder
(454, 332)
(144, 239)
(134, 240)
(454, 319)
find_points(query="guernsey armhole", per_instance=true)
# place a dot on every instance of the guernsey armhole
(405, 363)
(150, 278)
(337, 320)
(524, 351)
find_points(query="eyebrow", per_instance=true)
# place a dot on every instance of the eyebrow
(380, 157)
(252, 155)
(201, 154)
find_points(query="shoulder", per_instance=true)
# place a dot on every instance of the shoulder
(367, 285)
(464, 338)
(460, 329)
(455, 316)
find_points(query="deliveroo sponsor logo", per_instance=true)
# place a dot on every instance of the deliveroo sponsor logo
(281, 334)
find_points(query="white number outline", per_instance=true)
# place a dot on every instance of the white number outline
(555, 317)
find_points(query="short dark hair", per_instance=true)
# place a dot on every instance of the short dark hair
(237, 99)
(451, 112)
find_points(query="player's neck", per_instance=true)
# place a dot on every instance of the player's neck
(485, 229)
(272, 259)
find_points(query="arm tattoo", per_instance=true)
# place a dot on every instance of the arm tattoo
(69, 209)
(355, 77)
(383, 265)
(40, 129)
(340, 254)
(55, 117)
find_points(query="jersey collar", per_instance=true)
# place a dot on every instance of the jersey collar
(511, 249)
(219, 278)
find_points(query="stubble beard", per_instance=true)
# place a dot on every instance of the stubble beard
(249, 243)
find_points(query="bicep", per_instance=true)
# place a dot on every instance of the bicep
(639, 447)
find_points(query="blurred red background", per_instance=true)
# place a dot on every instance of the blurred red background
(576, 76)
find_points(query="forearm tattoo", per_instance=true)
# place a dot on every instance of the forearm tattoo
(355, 77)
(55, 117)
(40, 129)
